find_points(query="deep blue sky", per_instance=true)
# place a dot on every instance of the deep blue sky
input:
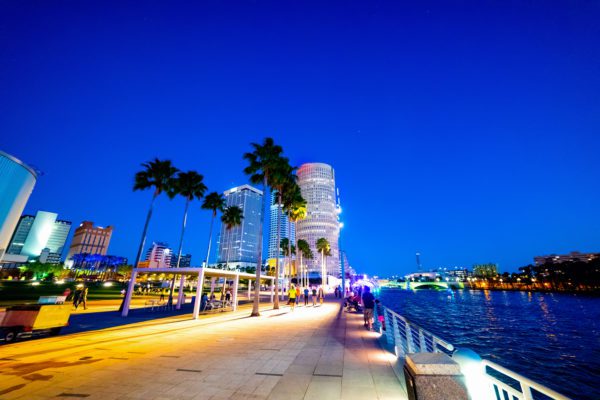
(468, 131)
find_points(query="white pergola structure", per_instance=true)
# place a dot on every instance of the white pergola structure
(202, 274)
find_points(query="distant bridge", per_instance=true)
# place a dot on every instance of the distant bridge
(426, 285)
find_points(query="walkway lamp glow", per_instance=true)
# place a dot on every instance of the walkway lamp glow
(472, 369)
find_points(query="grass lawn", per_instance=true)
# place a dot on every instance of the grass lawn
(11, 291)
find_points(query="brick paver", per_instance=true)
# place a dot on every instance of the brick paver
(310, 353)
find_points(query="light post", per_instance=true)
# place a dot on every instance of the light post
(342, 259)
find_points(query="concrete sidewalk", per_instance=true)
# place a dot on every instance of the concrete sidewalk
(310, 353)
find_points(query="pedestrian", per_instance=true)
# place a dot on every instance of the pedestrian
(203, 302)
(380, 313)
(162, 295)
(83, 297)
(321, 294)
(76, 298)
(368, 304)
(314, 296)
(306, 296)
(292, 297)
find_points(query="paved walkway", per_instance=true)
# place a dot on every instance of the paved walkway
(310, 353)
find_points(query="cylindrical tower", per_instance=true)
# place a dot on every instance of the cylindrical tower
(317, 184)
(16, 184)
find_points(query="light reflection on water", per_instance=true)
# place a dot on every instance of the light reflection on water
(551, 338)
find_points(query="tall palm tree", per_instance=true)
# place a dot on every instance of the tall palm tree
(215, 202)
(261, 163)
(232, 217)
(281, 177)
(305, 252)
(325, 249)
(287, 249)
(189, 185)
(158, 175)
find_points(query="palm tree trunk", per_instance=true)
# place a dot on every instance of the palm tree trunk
(142, 243)
(255, 312)
(187, 203)
(323, 269)
(276, 302)
(290, 249)
(210, 237)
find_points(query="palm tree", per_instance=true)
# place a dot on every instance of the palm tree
(325, 249)
(159, 175)
(232, 217)
(281, 177)
(287, 249)
(215, 202)
(262, 161)
(305, 252)
(295, 207)
(189, 185)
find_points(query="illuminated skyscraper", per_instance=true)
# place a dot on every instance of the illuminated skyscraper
(317, 184)
(240, 243)
(285, 230)
(39, 232)
(16, 184)
(159, 255)
(89, 239)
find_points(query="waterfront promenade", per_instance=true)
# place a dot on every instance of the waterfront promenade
(310, 353)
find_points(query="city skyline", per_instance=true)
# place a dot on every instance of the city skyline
(463, 147)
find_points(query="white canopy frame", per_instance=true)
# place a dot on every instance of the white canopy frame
(202, 273)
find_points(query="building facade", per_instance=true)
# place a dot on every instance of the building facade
(317, 184)
(573, 256)
(159, 255)
(89, 239)
(240, 245)
(36, 233)
(184, 262)
(286, 230)
(16, 184)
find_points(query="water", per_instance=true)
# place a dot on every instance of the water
(553, 339)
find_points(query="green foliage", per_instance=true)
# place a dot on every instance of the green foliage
(232, 217)
(214, 201)
(157, 174)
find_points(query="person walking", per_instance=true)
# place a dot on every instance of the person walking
(314, 296)
(292, 297)
(321, 295)
(306, 296)
(83, 297)
(76, 297)
(368, 304)
(380, 313)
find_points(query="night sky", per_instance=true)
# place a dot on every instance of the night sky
(466, 130)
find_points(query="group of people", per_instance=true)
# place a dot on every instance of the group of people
(369, 304)
(295, 293)
(78, 297)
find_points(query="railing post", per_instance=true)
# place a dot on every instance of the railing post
(389, 324)
(410, 345)
(526, 391)
(422, 342)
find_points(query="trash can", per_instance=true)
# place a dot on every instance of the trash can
(433, 376)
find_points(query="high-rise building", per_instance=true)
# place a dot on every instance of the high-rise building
(573, 256)
(286, 230)
(185, 262)
(317, 184)
(16, 184)
(159, 255)
(36, 233)
(240, 244)
(89, 239)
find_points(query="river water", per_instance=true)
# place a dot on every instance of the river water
(551, 338)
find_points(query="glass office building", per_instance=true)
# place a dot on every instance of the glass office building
(286, 230)
(240, 244)
(39, 232)
(317, 184)
(16, 184)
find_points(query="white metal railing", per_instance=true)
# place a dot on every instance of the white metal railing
(409, 337)
(494, 382)
(502, 389)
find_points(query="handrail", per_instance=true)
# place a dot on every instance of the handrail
(408, 337)
(526, 384)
